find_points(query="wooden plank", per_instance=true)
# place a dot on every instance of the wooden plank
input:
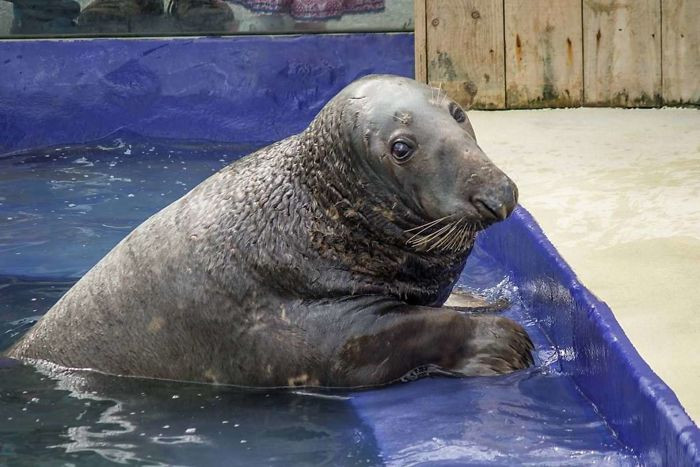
(465, 51)
(420, 41)
(681, 51)
(622, 52)
(543, 53)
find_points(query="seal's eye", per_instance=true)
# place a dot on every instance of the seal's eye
(457, 113)
(401, 151)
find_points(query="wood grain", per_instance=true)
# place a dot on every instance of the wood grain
(622, 52)
(681, 51)
(420, 41)
(465, 51)
(544, 42)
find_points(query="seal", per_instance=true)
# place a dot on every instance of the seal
(322, 259)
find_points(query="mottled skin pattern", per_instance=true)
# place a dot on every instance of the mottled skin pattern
(293, 266)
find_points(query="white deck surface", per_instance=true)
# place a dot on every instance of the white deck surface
(618, 193)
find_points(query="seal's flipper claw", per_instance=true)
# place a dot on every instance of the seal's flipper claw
(469, 303)
(429, 370)
(496, 346)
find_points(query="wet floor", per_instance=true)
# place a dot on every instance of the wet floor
(62, 209)
(618, 193)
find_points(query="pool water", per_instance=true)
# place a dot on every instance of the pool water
(63, 208)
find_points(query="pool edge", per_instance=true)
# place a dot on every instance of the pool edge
(652, 420)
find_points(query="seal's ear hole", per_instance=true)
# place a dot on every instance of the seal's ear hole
(402, 150)
(457, 113)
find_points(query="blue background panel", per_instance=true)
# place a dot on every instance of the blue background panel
(230, 89)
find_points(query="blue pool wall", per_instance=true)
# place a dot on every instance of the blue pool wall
(233, 89)
(594, 350)
(264, 88)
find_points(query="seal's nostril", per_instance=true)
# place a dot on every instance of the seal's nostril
(490, 208)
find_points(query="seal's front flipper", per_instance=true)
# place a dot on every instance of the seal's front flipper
(461, 300)
(378, 340)
(496, 346)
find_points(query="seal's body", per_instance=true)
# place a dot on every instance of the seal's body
(322, 259)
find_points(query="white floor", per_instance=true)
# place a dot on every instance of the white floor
(618, 193)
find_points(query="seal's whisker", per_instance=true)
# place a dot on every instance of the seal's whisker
(417, 234)
(447, 238)
(422, 228)
(466, 236)
(444, 94)
(444, 237)
(454, 236)
(410, 240)
(436, 241)
(435, 234)
(462, 235)
(445, 244)
(426, 224)
(427, 239)
(457, 236)
(433, 241)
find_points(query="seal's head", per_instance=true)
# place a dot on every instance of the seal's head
(419, 142)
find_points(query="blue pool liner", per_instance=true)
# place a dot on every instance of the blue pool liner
(264, 88)
(637, 404)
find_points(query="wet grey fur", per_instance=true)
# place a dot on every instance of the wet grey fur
(304, 263)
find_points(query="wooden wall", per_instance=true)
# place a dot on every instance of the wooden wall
(496, 54)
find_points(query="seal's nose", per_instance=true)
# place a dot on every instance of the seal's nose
(491, 209)
(497, 204)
